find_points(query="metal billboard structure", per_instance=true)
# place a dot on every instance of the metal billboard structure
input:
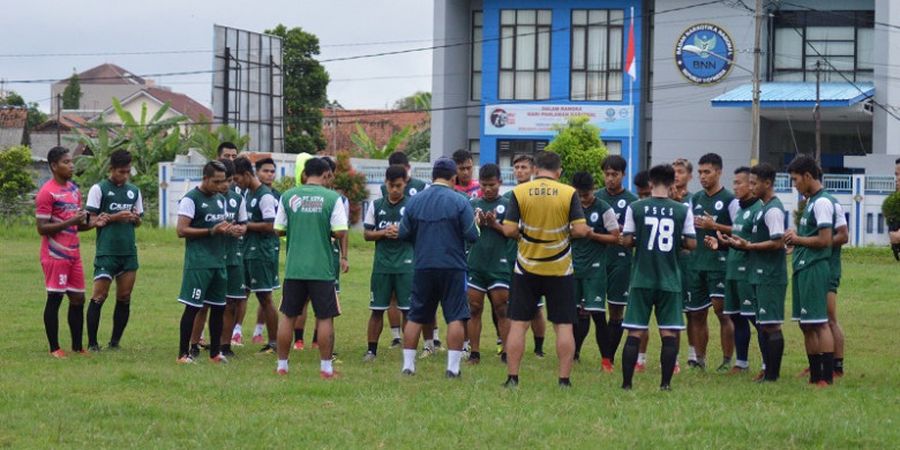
(247, 86)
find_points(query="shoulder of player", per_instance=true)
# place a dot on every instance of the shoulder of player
(725, 195)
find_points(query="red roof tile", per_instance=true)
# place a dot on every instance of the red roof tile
(108, 74)
(13, 117)
(182, 103)
(379, 124)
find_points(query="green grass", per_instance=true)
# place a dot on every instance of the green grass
(139, 397)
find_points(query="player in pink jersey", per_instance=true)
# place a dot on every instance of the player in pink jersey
(59, 219)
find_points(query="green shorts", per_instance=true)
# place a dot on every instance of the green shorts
(738, 297)
(664, 304)
(618, 277)
(261, 275)
(770, 303)
(488, 281)
(111, 266)
(203, 286)
(810, 293)
(235, 288)
(590, 293)
(704, 285)
(385, 285)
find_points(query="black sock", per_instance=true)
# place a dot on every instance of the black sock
(582, 327)
(629, 359)
(815, 368)
(226, 348)
(828, 367)
(298, 334)
(216, 315)
(741, 337)
(839, 366)
(615, 336)
(187, 326)
(120, 319)
(93, 321)
(667, 358)
(601, 334)
(474, 355)
(565, 382)
(373, 348)
(51, 319)
(539, 344)
(512, 378)
(774, 353)
(76, 326)
(761, 340)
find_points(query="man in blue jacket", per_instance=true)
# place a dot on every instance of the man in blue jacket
(439, 222)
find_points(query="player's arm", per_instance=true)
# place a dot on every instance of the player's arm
(138, 211)
(627, 238)
(43, 209)
(268, 207)
(688, 232)
(467, 223)
(339, 224)
(183, 227)
(612, 227)
(281, 220)
(823, 210)
(841, 231)
(512, 218)
(578, 227)
(369, 232)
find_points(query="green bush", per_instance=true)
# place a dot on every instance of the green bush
(283, 184)
(891, 209)
(578, 144)
(16, 181)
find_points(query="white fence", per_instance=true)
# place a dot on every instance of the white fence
(860, 195)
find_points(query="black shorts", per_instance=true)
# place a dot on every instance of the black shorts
(321, 293)
(525, 295)
(432, 286)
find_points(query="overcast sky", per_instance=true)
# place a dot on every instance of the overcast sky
(93, 26)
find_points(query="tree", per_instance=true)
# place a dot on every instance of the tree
(35, 115)
(206, 139)
(305, 90)
(420, 101)
(418, 147)
(369, 149)
(15, 180)
(12, 98)
(578, 144)
(71, 96)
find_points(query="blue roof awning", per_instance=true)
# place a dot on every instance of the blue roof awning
(797, 95)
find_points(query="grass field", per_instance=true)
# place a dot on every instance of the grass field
(139, 397)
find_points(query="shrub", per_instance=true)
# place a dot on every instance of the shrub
(15, 181)
(351, 184)
(578, 144)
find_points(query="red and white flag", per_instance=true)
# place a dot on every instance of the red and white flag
(630, 62)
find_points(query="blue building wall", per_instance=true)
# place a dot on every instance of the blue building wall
(560, 57)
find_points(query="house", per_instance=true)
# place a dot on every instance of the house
(155, 98)
(339, 124)
(55, 132)
(98, 87)
(13, 130)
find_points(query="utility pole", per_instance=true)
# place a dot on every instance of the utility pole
(817, 113)
(754, 112)
(58, 124)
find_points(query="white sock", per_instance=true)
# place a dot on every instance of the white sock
(453, 357)
(692, 353)
(642, 358)
(238, 329)
(429, 344)
(395, 332)
(465, 344)
(435, 335)
(763, 366)
(409, 359)
(325, 366)
(741, 364)
(259, 329)
(282, 364)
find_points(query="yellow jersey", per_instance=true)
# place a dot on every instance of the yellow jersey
(544, 209)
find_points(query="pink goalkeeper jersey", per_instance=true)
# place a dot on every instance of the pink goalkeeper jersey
(59, 203)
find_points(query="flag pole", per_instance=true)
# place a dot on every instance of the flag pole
(631, 146)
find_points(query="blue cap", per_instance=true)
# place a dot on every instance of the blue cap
(445, 163)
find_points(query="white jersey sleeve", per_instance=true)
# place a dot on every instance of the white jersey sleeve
(688, 229)
(610, 222)
(840, 220)
(629, 226)
(823, 210)
(281, 219)
(94, 198)
(775, 222)
(139, 204)
(369, 221)
(733, 209)
(338, 216)
(268, 206)
(186, 207)
(242, 216)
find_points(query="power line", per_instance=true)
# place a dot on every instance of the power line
(840, 14)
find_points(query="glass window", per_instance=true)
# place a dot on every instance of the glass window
(597, 55)
(613, 147)
(524, 54)
(477, 36)
(842, 43)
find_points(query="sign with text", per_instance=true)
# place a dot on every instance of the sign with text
(524, 119)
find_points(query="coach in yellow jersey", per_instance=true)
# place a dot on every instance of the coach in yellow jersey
(544, 215)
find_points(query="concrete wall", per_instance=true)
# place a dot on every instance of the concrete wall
(451, 68)
(886, 129)
(95, 97)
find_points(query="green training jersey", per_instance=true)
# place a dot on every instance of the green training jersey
(391, 255)
(616, 254)
(413, 187)
(818, 214)
(261, 207)
(235, 212)
(658, 226)
(737, 262)
(116, 238)
(722, 206)
(205, 211)
(768, 267)
(309, 214)
(490, 253)
(588, 255)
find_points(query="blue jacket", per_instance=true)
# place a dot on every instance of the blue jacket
(439, 221)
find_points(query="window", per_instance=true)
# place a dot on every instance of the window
(475, 150)
(477, 37)
(613, 147)
(524, 54)
(597, 55)
(880, 223)
(843, 42)
(870, 223)
(509, 149)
